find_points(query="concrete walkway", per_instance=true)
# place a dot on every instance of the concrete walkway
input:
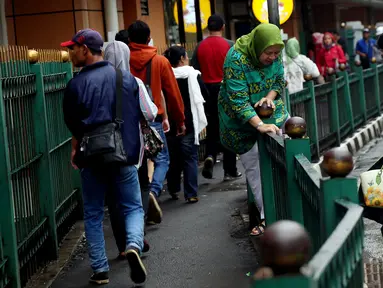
(196, 246)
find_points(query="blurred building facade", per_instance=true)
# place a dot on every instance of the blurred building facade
(45, 23)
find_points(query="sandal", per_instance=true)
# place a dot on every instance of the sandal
(121, 256)
(192, 200)
(174, 196)
(258, 230)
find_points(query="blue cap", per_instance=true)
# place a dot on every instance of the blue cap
(89, 37)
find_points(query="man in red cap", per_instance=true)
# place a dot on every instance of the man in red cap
(89, 102)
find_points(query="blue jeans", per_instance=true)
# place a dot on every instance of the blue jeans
(183, 157)
(161, 163)
(123, 181)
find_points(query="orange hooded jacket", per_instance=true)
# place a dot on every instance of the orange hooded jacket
(163, 79)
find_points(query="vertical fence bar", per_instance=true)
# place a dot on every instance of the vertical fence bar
(376, 86)
(67, 67)
(331, 190)
(44, 172)
(334, 110)
(294, 147)
(287, 100)
(267, 182)
(312, 118)
(362, 99)
(348, 99)
(6, 203)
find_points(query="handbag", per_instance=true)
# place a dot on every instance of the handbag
(103, 144)
(153, 143)
(372, 187)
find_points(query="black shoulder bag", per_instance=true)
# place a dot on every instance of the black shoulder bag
(152, 139)
(103, 145)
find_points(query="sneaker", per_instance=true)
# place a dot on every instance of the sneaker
(137, 269)
(229, 177)
(154, 210)
(101, 278)
(207, 170)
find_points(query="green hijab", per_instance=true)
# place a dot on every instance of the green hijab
(263, 36)
(292, 49)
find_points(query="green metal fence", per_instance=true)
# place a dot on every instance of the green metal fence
(341, 106)
(39, 189)
(327, 207)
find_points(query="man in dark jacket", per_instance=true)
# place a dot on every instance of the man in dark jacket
(90, 101)
(208, 57)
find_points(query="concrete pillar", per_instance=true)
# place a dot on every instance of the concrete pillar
(111, 19)
(3, 24)
(85, 15)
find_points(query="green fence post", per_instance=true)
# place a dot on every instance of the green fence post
(347, 97)
(287, 100)
(334, 113)
(7, 212)
(44, 171)
(376, 84)
(76, 180)
(266, 168)
(294, 147)
(331, 190)
(350, 47)
(313, 119)
(362, 99)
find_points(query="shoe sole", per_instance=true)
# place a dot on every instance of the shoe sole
(154, 211)
(99, 282)
(207, 169)
(137, 269)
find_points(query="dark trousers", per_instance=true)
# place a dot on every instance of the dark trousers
(213, 146)
(365, 62)
(116, 219)
(183, 158)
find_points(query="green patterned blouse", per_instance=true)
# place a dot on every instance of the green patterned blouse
(244, 85)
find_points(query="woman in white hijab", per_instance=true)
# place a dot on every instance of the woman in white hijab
(118, 54)
(183, 150)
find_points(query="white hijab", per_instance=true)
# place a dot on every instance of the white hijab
(196, 98)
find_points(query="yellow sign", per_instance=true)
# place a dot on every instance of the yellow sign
(189, 14)
(260, 10)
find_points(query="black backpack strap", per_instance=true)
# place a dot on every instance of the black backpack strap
(149, 73)
(119, 89)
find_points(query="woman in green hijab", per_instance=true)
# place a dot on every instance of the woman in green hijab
(253, 74)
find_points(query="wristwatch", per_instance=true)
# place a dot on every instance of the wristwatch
(259, 125)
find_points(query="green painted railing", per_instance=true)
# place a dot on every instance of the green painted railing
(327, 207)
(39, 199)
(334, 110)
